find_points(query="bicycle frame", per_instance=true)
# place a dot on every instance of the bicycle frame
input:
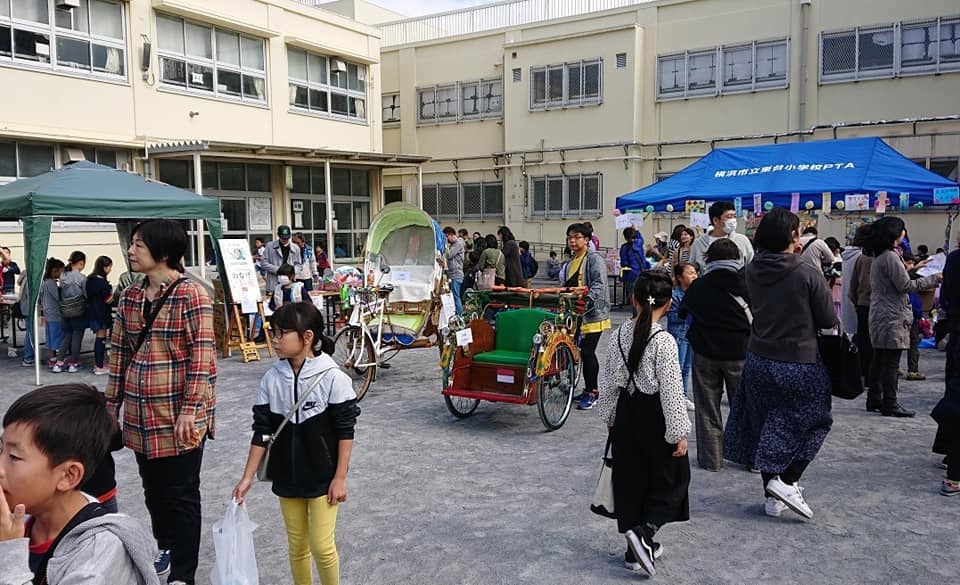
(361, 313)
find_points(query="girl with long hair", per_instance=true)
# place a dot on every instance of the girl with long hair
(72, 284)
(99, 309)
(50, 307)
(642, 403)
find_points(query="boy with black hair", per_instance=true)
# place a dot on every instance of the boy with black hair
(288, 290)
(723, 219)
(52, 439)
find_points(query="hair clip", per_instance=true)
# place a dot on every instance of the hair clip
(651, 300)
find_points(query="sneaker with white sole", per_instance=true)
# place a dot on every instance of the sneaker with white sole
(791, 495)
(631, 563)
(161, 564)
(98, 371)
(73, 369)
(773, 507)
(950, 487)
(58, 367)
(642, 548)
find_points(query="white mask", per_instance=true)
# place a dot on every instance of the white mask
(283, 280)
(730, 225)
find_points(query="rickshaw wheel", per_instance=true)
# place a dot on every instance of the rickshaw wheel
(459, 406)
(555, 394)
(347, 349)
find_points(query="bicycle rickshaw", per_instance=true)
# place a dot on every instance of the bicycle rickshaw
(399, 305)
(522, 350)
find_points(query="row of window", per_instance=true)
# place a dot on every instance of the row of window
(20, 159)
(455, 102)
(727, 69)
(192, 57)
(561, 196)
(570, 84)
(904, 48)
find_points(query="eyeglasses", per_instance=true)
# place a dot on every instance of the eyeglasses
(576, 237)
(279, 332)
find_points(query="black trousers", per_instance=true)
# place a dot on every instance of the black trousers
(790, 475)
(171, 490)
(953, 458)
(591, 366)
(862, 339)
(883, 377)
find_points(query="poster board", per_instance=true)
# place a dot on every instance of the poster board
(237, 263)
(258, 214)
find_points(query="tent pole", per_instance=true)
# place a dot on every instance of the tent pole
(35, 341)
(420, 186)
(198, 189)
(331, 254)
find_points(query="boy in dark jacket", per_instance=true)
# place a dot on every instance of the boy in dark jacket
(717, 306)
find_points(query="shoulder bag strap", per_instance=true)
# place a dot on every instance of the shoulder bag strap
(154, 311)
(624, 355)
(296, 407)
(743, 305)
(88, 512)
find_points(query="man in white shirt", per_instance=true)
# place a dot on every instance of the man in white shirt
(815, 251)
(723, 218)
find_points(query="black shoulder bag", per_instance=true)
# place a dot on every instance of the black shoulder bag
(88, 512)
(154, 311)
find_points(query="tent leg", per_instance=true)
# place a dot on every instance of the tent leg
(35, 341)
(331, 249)
(198, 189)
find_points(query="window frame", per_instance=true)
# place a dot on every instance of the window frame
(213, 63)
(937, 64)
(459, 102)
(330, 88)
(567, 211)
(394, 106)
(484, 214)
(722, 83)
(546, 101)
(54, 33)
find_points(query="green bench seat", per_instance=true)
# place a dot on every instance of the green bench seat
(514, 337)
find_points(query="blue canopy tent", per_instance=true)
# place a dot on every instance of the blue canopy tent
(839, 167)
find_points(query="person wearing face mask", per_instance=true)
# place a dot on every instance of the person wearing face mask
(723, 219)
(288, 290)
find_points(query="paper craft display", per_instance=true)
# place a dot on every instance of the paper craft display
(757, 203)
(825, 202)
(738, 206)
(946, 195)
(881, 201)
(626, 220)
(857, 202)
(464, 337)
(904, 201)
(794, 203)
(447, 309)
(695, 206)
(701, 220)
(241, 275)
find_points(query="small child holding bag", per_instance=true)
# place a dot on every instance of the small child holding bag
(306, 438)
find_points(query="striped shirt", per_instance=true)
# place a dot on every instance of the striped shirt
(174, 372)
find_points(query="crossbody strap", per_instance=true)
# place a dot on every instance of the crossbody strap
(624, 355)
(154, 311)
(743, 305)
(88, 512)
(300, 403)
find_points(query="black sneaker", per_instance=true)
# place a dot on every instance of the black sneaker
(161, 564)
(631, 563)
(897, 411)
(642, 548)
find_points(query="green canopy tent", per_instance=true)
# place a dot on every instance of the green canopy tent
(84, 191)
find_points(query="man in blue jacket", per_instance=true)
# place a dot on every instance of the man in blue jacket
(632, 262)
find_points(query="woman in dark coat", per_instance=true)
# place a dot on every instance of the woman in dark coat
(780, 415)
(890, 314)
(511, 253)
(947, 411)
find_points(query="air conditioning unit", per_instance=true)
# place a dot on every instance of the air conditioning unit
(338, 65)
(67, 3)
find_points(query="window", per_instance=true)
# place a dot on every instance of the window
(945, 167)
(19, 160)
(87, 39)
(461, 101)
(729, 69)
(391, 108)
(463, 201)
(328, 86)
(889, 50)
(567, 196)
(930, 46)
(203, 59)
(571, 84)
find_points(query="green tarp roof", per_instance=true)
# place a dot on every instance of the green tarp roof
(84, 190)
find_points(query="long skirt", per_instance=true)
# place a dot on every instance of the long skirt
(649, 483)
(780, 414)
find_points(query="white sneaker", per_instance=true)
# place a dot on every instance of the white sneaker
(57, 368)
(773, 507)
(73, 369)
(690, 405)
(791, 495)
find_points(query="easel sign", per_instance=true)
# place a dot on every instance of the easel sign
(244, 291)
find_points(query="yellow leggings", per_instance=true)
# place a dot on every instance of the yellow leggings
(311, 523)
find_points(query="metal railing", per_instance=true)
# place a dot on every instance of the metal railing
(489, 17)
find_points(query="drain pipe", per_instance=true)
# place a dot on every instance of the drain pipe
(804, 26)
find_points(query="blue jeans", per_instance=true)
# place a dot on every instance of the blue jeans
(27, 341)
(685, 353)
(455, 285)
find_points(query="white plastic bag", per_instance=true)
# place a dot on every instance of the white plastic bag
(236, 561)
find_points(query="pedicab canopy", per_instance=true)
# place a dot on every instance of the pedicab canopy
(820, 173)
(407, 239)
(84, 191)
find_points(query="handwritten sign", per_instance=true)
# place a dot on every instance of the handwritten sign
(464, 337)
(857, 202)
(626, 220)
(946, 195)
(701, 220)
(258, 214)
(241, 275)
(825, 202)
(794, 203)
(757, 203)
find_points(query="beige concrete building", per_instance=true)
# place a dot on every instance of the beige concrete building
(537, 114)
(273, 106)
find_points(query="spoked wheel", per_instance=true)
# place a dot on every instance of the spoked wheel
(555, 395)
(348, 351)
(459, 406)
